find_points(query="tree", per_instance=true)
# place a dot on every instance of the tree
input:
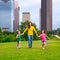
(25, 24)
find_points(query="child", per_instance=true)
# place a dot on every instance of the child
(19, 38)
(43, 37)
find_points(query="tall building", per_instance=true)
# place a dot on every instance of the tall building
(16, 15)
(25, 16)
(6, 15)
(46, 15)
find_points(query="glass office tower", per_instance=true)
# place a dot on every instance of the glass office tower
(46, 15)
(6, 15)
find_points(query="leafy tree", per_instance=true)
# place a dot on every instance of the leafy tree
(25, 24)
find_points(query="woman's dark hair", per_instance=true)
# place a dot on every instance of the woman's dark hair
(29, 24)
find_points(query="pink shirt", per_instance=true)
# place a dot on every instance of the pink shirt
(43, 36)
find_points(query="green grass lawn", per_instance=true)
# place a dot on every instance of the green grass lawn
(8, 51)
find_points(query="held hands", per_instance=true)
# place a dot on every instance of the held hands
(36, 34)
(22, 33)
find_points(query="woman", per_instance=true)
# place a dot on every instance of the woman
(30, 30)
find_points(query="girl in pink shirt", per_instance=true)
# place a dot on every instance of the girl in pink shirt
(43, 38)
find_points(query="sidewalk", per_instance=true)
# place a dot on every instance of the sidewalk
(57, 36)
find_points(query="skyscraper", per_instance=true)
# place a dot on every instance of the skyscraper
(6, 12)
(46, 15)
(16, 15)
(25, 16)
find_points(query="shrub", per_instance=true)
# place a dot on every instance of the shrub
(7, 38)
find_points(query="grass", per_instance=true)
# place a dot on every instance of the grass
(8, 51)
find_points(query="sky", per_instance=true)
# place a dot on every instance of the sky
(33, 6)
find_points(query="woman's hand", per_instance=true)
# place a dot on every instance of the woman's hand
(36, 34)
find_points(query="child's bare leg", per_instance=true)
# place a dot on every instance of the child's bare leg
(43, 45)
(17, 44)
(20, 43)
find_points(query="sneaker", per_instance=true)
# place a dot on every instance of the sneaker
(19, 47)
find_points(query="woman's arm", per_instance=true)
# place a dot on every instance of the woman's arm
(25, 30)
(35, 31)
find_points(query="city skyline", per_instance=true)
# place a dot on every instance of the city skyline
(29, 6)
(33, 8)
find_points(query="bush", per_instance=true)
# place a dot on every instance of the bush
(10, 38)
(7, 38)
